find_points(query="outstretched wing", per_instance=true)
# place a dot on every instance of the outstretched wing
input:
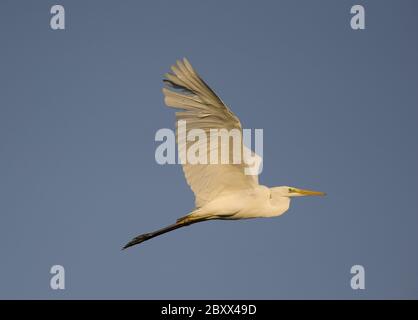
(202, 109)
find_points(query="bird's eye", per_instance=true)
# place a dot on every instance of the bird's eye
(290, 190)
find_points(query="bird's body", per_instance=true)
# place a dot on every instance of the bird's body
(256, 202)
(223, 191)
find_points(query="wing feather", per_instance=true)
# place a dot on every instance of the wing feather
(201, 108)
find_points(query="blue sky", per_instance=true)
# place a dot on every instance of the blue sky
(79, 109)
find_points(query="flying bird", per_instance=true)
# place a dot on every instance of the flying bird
(222, 191)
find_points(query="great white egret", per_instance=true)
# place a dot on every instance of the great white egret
(222, 191)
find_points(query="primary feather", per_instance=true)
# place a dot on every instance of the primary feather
(202, 109)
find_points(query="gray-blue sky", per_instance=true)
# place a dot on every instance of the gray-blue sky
(79, 109)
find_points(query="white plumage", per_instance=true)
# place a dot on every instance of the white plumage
(222, 191)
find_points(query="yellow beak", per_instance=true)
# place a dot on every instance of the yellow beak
(308, 192)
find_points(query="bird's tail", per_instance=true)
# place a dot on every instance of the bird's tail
(181, 222)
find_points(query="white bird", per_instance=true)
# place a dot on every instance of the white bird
(222, 191)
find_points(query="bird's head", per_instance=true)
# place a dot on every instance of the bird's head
(286, 191)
